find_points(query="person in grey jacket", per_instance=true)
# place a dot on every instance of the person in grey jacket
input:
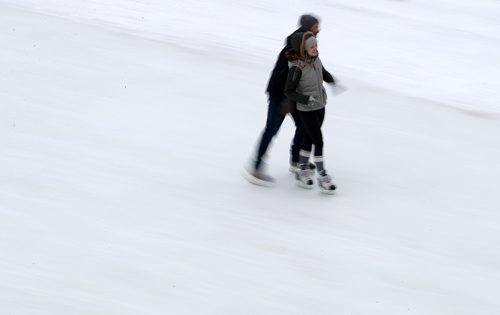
(304, 85)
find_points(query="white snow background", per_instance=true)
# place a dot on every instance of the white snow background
(124, 126)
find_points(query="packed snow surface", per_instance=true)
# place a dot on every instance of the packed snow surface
(125, 125)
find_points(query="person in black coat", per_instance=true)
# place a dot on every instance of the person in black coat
(279, 105)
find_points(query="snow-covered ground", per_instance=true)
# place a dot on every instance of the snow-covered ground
(124, 126)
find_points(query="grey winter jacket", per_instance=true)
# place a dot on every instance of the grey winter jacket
(304, 80)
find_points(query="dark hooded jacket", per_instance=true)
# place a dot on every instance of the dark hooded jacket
(277, 81)
(276, 85)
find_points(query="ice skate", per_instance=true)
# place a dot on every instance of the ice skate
(304, 176)
(258, 177)
(295, 167)
(325, 183)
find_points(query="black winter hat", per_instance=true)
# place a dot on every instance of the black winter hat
(306, 21)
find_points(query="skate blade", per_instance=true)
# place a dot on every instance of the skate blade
(327, 191)
(254, 180)
(305, 186)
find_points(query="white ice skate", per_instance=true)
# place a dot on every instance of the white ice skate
(295, 167)
(325, 183)
(304, 176)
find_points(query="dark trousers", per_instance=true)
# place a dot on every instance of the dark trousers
(311, 123)
(275, 118)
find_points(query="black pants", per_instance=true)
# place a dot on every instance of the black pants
(312, 122)
(275, 119)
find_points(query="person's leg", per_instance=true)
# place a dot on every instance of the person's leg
(297, 138)
(274, 121)
(305, 151)
(312, 122)
(304, 143)
(318, 141)
(314, 129)
(304, 173)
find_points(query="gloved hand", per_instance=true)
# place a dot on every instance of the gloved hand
(312, 101)
(287, 106)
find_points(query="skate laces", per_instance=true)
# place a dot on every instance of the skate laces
(324, 177)
(303, 175)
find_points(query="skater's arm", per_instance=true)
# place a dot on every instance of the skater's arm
(327, 77)
(277, 80)
(291, 85)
